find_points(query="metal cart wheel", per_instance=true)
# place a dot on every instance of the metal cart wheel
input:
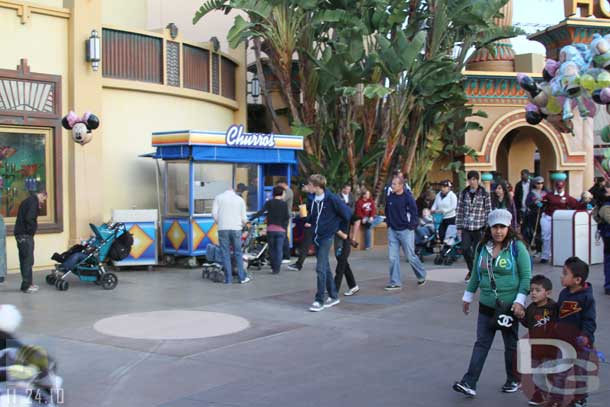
(109, 281)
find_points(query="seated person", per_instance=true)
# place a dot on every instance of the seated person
(425, 228)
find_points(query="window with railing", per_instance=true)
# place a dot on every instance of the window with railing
(139, 57)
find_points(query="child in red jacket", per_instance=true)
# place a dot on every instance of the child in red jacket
(367, 212)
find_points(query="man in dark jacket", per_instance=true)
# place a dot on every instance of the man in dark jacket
(25, 229)
(326, 213)
(402, 219)
(522, 189)
(474, 205)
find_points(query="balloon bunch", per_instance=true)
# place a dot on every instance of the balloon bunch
(580, 79)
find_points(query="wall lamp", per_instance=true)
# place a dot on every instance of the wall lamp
(255, 88)
(92, 46)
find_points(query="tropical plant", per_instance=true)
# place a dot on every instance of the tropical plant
(378, 81)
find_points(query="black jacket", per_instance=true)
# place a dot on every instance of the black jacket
(578, 311)
(276, 211)
(540, 321)
(519, 196)
(27, 215)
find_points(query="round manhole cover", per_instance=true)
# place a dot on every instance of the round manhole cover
(171, 325)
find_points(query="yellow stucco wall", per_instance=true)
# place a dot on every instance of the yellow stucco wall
(128, 14)
(43, 42)
(129, 119)
(47, 3)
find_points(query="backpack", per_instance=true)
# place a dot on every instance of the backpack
(121, 247)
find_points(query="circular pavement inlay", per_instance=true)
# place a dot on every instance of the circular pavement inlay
(171, 325)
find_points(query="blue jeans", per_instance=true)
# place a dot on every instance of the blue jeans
(325, 276)
(276, 248)
(486, 330)
(226, 239)
(368, 230)
(406, 240)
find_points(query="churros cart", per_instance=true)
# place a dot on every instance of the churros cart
(195, 166)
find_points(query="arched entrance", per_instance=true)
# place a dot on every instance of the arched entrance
(526, 147)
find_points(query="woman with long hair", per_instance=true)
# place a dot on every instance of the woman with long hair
(502, 271)
(366, 214)
(501, 199)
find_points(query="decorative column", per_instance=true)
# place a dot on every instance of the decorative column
(85, 163)
(503, 57)
(487, 178)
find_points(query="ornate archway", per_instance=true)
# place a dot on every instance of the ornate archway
(565, 158)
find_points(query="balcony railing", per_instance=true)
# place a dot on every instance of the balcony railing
(140, 57)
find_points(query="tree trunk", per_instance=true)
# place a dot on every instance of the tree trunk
(263, 81)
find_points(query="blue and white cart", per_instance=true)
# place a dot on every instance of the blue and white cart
(198, 165)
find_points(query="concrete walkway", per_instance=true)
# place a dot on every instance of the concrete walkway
(374, 349)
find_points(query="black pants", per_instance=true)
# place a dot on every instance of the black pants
(442, 230)
(25, 245)
(286, 248)
(343, 267)
(486, 330)
(304, 247)
(470, 239)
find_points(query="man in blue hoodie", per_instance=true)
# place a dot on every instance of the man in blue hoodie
(402, 220)
(326, 213)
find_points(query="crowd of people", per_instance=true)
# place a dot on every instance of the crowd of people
(498, 232)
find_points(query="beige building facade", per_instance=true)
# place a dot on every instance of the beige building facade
(151, 78)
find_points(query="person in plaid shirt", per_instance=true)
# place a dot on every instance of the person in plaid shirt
(473, 208)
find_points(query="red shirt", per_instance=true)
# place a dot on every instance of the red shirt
(365, 208)
(554, 202)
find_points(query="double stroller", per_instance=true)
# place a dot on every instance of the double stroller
(255, 254)
(110, 241)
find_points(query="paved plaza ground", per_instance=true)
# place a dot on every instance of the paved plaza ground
(375, 349)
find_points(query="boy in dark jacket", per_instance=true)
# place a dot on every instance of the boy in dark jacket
(576, 323)
(402, 219)
(540, 318)
(326, 213)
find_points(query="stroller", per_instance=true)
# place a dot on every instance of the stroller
(451, 249)
(426, 235)
(254, 248)
(110, 241)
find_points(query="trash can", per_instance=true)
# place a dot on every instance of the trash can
(571, 235)
(596, 251)
(142, 224)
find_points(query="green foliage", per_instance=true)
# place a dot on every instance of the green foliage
(379, 86)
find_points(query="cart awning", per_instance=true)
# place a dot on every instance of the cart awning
(225, 154)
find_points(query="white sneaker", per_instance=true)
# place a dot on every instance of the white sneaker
(352, 291)
(331, 302)
(286, 261)
(246, 280)
(32, 289)
(316, 307)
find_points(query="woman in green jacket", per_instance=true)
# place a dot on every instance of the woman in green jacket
(503, 252)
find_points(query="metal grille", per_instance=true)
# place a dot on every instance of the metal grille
(215, 74)
(228, 78)
(132, 56)
(196, 68)
(173, 63)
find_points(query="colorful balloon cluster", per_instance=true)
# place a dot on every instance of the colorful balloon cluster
(581, 78)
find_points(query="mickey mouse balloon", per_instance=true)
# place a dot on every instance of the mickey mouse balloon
(81, 126)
